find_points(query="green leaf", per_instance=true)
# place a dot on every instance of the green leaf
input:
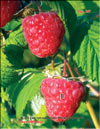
(8, 71)
(16, 38)
(29, 90)
(91, 5)
(66, 13)
(5, 121)
(28, 110)
(14, 89)
(84, 5)
(14, 55)
(13, 24)
(97, 3)
(77, 5)
(80, 118)
(86, 53)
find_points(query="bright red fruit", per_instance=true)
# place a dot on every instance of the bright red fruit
(44, 33)
(62, 97)
(8, 8)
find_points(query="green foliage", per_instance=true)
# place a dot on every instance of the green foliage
(14, 55)
(5, 121)
(79, 5)
(8, 71)
(25, 89)
(86, 50)
(16, 38)
(13, 24)
(16, 87)
(84, 5)
(29, 90)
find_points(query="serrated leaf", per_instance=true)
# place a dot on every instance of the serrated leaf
(80, 118)
(14, 89)
(16, 38)
(14, 55)
(3, 95)
(8, 71)
(27, 93)
(5, 121)
(87, 53)
(66, 13)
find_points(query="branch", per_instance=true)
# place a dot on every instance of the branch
(88, 85)
(52, 60)
(65, 61)
(93, 115)
(70, 70)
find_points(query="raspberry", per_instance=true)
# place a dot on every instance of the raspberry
(8, 8)
(62, 98)
(44, 33)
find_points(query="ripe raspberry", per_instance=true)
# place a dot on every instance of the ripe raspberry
(62, 97)
(44, 33)
(8, 8)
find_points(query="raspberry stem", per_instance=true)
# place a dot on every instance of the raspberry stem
(38, 6)
(65, 61)
(70, 70)
(52, 60)
(52, 63)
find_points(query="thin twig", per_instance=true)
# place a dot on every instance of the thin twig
(38, 6)
(88, 85)
(64, 72)
(52, 63)
(65, 61)
(52, 60)
(93, 115)
(70, 70)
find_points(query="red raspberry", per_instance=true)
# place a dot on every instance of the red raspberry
(62, 97)
(8, 8)
(44, 33)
